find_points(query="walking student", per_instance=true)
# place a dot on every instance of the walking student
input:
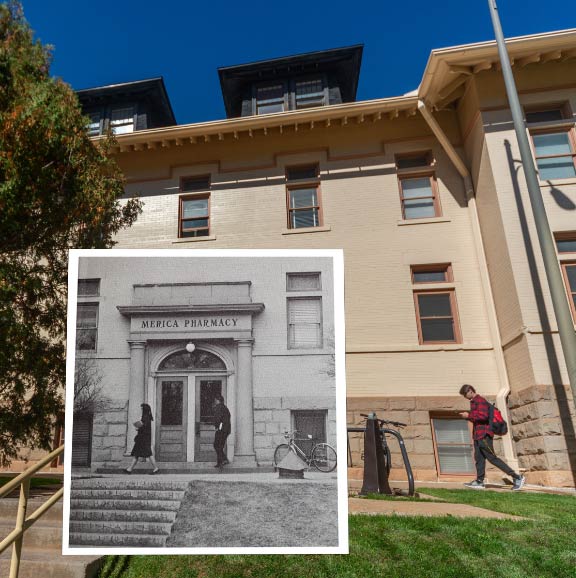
(479, 415)
(222, 425)
(143, 441)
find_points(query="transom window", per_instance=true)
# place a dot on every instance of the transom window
(88, 287)
(453, 445)
(303, 282)
(303, 198)
(122, 120)
(309, 93)
(270, 98)
(431, 273)
(566, 242)
(198, 359)
(86, 326)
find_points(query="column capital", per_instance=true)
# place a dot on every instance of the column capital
(244, 342)
(135, 344)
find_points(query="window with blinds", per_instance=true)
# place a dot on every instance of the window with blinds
(304, 323)
(453, 445)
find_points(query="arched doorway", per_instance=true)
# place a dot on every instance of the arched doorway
(186, 386)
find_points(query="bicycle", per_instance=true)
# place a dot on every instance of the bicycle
(322, 456)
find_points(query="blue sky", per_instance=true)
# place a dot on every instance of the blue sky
(105, 42)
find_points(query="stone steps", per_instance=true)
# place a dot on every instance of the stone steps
(125, 512)
(133, 505)
(40, 563)
(89, 540)
(125, 494)
(42, 534)
(42, 547)
(123, 515)
(120, 527)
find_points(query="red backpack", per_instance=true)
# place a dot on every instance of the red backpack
(496, 422)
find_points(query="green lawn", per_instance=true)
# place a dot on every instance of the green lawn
(542, 546)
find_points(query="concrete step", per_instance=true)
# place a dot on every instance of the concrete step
(120, 527)
(123, 515)
(206, 467)
(116, 540)
(129, 484)
(9, 507)
(44, 534)
(50, 564)
(126, 494)
(113, 504)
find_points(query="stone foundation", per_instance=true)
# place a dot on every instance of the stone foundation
(109, 433)
(543, 422)
(416, 412)
(272, 418)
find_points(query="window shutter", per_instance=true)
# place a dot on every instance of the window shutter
(82, 440)
(304, 323)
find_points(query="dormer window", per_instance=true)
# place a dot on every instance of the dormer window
(270, 98)
(309, 93)
(122, 120)
(95, 124)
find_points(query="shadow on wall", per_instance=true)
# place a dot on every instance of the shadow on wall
(561, 397)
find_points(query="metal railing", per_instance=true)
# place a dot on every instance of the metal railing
(22, 522)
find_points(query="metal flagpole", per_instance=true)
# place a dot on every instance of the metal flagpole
(547, 246)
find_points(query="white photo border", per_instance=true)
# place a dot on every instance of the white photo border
(337, 256)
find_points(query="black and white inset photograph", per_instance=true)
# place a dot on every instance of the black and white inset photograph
(205, 402)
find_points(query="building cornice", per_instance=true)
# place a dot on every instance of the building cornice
(235, 128)
(223, 309)
(448, 69)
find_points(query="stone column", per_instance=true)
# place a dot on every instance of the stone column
(244, 450)
(136, 392)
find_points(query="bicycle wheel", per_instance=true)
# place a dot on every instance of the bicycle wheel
(324, 458)
(280, 453)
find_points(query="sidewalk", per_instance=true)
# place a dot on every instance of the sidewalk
(406, 508)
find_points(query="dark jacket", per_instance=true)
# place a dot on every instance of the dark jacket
(222, 418)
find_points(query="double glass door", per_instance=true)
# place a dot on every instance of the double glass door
(175, 418)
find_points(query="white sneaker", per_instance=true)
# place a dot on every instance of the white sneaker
(519, 483)
(475, 485)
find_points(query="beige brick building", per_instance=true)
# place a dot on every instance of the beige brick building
(425, 194)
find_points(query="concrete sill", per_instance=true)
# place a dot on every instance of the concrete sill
(195, 239)
(322, 229)
(423, 221)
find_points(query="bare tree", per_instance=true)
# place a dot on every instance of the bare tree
(88, 396)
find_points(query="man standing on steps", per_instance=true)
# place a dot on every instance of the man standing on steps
(222, 425)
(479, 415)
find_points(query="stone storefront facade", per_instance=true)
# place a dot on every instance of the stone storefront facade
(154, 336)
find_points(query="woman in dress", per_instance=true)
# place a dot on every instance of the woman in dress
(143, 441)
